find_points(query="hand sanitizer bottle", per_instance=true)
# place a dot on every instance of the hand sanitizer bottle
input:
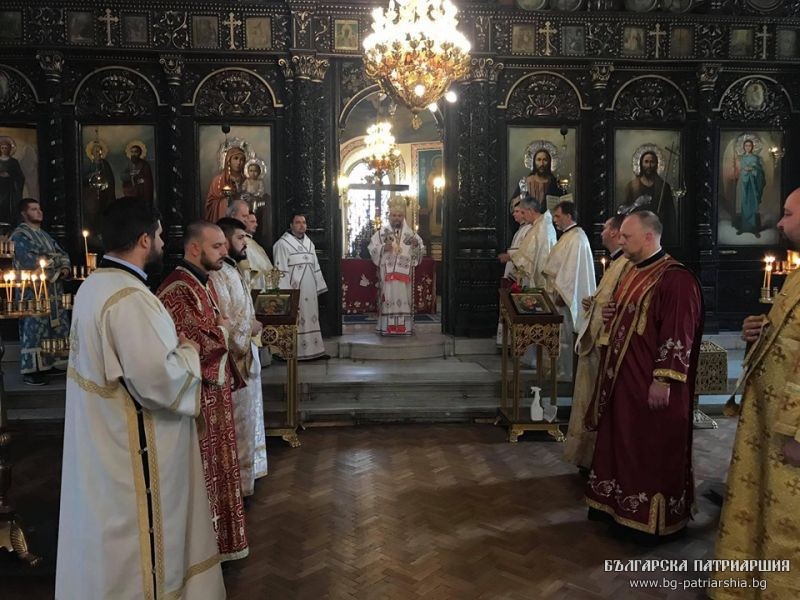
(537, 414)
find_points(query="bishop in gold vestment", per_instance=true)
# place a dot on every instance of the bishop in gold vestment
(760, 517)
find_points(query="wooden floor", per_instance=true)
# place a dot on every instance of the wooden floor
(411, 511)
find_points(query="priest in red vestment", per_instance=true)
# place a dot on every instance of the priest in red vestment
(641, 472)
(189, 296)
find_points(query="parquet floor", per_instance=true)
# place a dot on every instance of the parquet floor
(410, 512)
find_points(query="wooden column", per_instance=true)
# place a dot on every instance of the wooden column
(602, 164)
(172, 65)
(472, 216)
(52, 62)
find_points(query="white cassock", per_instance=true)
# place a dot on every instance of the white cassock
(254, 269)
(570, 276)
(297, 261)
(509, 268)
(132, 398)
(236, 303)
(534, 249)
(256, 266)
(395, 314)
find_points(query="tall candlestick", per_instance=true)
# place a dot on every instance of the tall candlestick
(766, 266)
(86, 245)
(44, 285)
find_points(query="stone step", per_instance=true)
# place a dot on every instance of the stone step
(369, 346)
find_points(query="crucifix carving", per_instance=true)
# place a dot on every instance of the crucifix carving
(657, 33)
(108, 20)
(548, 31)
(379, 187)
(764, 38)
(232, 22)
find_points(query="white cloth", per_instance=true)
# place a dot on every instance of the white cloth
(534, 250)
(396, 270)
(256, 266)
(234, 302)
(569, 274)
(128, 373)
(297, 261)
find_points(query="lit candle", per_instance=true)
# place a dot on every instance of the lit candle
(24, 277)
(769, 271)
(7, 285)
(766, 269)
(603, 262)
(86, 245)
(44, 285)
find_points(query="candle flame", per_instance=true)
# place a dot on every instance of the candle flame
(85, 233)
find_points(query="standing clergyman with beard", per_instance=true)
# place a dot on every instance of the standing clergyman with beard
(134, 519)
(190, 297)
(648, 191)
(236, 303)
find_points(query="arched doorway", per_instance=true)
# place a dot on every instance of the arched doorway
(419, 168)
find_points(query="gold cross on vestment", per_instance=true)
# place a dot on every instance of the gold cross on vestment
(548, 31)
(232, 22)
(764, 38)
(657, 33)
(108, 20)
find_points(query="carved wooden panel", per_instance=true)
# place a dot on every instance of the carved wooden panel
(46, 25)
(16, 96)
(650, 99)
(543, 95)
(171, 30)
(754, 100)
(233, 93)
(353, 80)
(115, 93)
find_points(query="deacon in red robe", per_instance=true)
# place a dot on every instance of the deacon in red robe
(190, 298)
(641, 472)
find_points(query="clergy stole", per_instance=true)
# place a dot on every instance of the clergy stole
(760, 515)
(135, 521)
(395, 314)
(297, 261)
(248, 407)
(642, 467)
(256, 266)
(579, 445)
(194, 308)
(534, 249)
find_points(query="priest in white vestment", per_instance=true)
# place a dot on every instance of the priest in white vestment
(579, 446)
(236, 303)
(257, 265)
(569, 274)
(396, 250)
(134, 520)
(535, 244)
(296, 257)
(505, 257)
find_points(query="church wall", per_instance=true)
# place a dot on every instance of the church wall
(705, 76)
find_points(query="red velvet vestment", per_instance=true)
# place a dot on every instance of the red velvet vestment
(642, 467)
(193, 307)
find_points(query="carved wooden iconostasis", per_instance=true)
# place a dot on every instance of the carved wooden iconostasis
(699, 94)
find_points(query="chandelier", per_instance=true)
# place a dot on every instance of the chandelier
(382, 153)
(415, 51)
